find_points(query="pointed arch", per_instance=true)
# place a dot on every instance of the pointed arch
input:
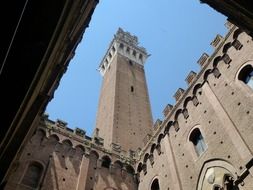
(106, 161)
(54, 137)
(155, 184)
(118, 164)
(223, 166)
(129, 169)
(33, 174)
(67, 142)
(80, 149)
(41, 132)
(94, 154)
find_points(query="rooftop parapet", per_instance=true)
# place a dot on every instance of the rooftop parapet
(167, 109)
(191, 76)
(203, 59)
(178, 94)
(217, 41)
(157, 124)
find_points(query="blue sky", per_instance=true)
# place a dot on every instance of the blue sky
(174, 32)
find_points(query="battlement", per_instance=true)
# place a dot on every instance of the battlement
(126, 45)
(60, 127)
(194, 81)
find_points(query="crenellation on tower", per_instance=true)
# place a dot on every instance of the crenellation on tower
(126, 45)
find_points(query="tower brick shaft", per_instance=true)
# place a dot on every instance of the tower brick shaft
(124, 115)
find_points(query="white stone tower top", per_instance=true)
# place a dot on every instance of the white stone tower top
(127, 45)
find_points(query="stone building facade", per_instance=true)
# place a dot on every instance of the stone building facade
(204, 141)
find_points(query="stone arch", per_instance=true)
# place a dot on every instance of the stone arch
(130, 169)
(53, 140)
(54, 137)
(245, 64)
(207, 178)
(167, 127)
(186, 101)
(42, 132)
(151, 155)
(118, 164)
(158, 149)
(152, 149)
(106, 161)
(80, 148)
(178, 112)
(216, 61)
(145, 159)
(196, 88)
(38, 136)
(67, 142)
(159, 139)
(197, 140)
(207, 73)
(176, 125)
(144, 168)
(226, 47)
(94, 154)
(243, 77)
(139, 167)
(237, 32)
(154, 185)
(33, 174)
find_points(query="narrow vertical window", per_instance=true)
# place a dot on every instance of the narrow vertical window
(132, 89)
(134, 53)
(33, 175)
(128, 50)
(198, 141)
(140, 57)
(121, 46)
(246, 75)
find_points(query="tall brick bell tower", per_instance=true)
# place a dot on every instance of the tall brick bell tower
(124, 115)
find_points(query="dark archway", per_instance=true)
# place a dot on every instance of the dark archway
(155, 185)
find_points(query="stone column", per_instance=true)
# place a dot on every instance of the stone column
(81, 183)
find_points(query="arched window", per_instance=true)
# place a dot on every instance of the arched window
(246, 75)
(106, 162)
(198, 141)
(155, 185)
(33, 175)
